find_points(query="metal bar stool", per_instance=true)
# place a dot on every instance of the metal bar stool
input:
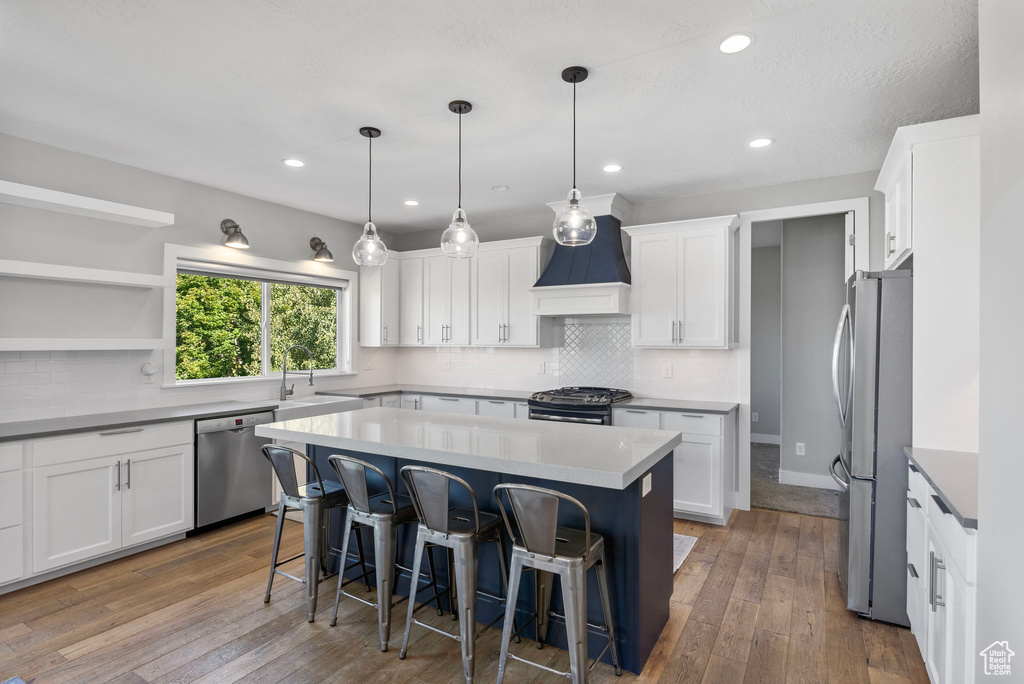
(461, 531)
(314, 500)
(543, 546)
(383, 513)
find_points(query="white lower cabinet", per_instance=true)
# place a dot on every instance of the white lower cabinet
(498, 408)
(522, 410)
(391, 401)
(412, 401)
(12, 531)
(86, 503)
(12, 561)
(699, 464)
(941, 598)
(450, 405)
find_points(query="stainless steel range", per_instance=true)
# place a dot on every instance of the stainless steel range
(590, 405)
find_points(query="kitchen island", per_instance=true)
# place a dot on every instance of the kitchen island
(622, 475)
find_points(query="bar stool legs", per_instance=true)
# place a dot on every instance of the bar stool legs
(277, 547)
(606, 607)
(312, 532)
(465, 561)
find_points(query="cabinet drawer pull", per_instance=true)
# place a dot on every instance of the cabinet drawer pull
(913, 467)
(491, 401)
(912, 570)
(121, 432)
(695, 415)
(914, 503)
(448, 398)
(942, 507)
(635, 411)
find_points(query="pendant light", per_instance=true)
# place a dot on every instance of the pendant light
(370, 250)
(459, 240)
(574, 226)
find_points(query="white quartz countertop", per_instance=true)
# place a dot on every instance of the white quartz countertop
(594, 455)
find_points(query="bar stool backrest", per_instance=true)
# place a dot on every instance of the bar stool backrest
(535, 510)
(352, 472)
(429, 489)
(283, 461)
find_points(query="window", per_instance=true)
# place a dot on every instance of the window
(236, 327)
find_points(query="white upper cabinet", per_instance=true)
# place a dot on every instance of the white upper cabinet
(446, 301)
(683, 291)
(907, 190)
(379, 288)
(501, 304)
(410, 303)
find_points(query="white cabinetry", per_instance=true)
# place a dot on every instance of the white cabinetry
(702, 466)
(501, 276)
(683, 287)
(379, 288)
(522, 410)
(446, 301)
(941, 589)
(413, 402)
(12, 530)
(498, 408)
(450, 405)
(410, 305)
(100, 492)
(391, 401)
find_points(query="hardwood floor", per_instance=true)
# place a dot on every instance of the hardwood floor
(756, 601)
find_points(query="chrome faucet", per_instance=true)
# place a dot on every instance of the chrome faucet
(285, 391)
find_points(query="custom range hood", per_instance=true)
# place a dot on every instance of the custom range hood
(593, 279)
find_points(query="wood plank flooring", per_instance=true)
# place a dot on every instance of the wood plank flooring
(758, 600)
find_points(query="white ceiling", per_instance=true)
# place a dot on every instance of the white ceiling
(219, 92)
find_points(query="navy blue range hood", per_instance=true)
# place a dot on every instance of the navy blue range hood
(602, 261)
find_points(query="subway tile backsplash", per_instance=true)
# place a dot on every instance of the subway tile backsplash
(40, 384)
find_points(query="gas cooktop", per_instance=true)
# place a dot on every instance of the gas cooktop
(579, 396)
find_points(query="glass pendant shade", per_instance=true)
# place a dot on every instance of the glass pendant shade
(574, 226)
(369, 250)
(459, 240)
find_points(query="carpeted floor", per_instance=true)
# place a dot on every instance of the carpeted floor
(767, 492)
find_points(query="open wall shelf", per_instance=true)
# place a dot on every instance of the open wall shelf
(79, 205)
(80, 274)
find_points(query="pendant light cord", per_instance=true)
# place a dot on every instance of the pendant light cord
(369, 185)
(460, 160)
(574, 135)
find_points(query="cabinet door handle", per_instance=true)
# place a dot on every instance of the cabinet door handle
(419, 333)
(118, 485)
(128, 474)
(679, 333)
(121, 432)
(889, 248)
(934, 565)
(673, 332)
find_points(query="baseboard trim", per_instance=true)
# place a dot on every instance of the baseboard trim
(823, 481)
(765, 439)
(699, 517)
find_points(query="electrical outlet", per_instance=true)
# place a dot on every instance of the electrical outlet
(448, 364)
(540, 368)
(367, 364)
(666, 371)
(646, 484)
(754, 417)
(801, 449)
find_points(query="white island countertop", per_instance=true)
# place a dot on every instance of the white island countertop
(593, 455)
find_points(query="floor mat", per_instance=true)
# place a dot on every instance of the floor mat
(681, 547)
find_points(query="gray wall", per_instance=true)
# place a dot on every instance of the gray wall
(715, 204)
(813, 293)
(30, 234)
(766, 339)
(1000, 546)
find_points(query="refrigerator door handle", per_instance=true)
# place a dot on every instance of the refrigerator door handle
(844, 325)
(845, 484)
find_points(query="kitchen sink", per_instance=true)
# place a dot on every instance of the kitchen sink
(315, 405)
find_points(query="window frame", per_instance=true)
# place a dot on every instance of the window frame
(222, 262)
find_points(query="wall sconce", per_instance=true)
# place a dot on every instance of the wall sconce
(320, 247)
(235, 238)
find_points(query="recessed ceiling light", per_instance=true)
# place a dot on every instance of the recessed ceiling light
(736, 42)
(294, 163)
(499, 188)
(612, 168)
(411, 203)
(760, 142)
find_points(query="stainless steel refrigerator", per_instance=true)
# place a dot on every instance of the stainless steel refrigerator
(871, 379)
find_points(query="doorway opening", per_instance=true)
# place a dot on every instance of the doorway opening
(798, 269)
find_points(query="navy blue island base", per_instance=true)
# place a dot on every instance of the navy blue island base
(637, 530)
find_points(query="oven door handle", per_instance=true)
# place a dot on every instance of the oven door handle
(567, 419)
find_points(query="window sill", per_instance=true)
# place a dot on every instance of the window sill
(227, 382)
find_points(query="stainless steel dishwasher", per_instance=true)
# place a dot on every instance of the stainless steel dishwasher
(232, 474)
